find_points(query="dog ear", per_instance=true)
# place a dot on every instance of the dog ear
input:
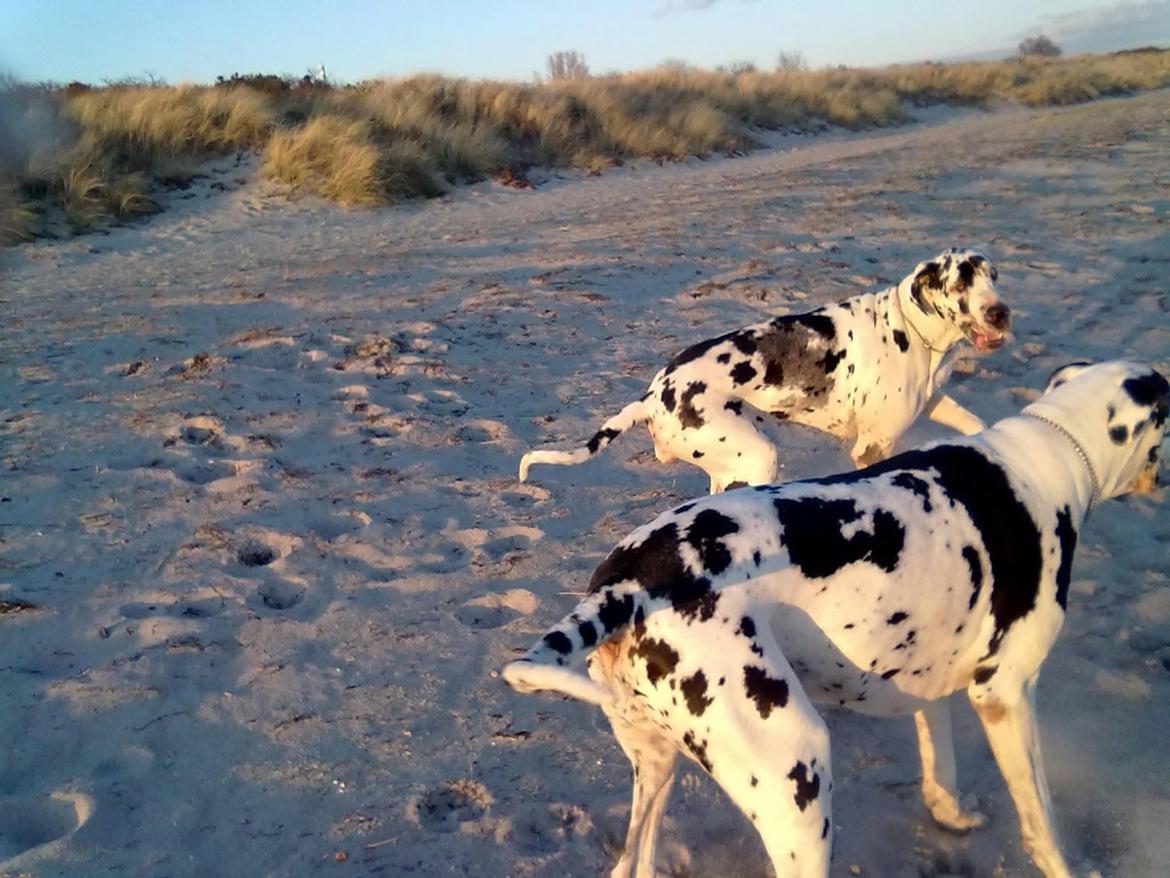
(1150, 390)
(1064, 373)
(927, 279)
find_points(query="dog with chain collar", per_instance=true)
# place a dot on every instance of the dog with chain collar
(712, 630)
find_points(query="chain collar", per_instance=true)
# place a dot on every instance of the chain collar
(1079, 449)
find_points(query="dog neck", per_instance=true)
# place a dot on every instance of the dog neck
(930, 329)
(1080, 450)
(1048, 456)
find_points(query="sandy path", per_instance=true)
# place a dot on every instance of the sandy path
(258, 481)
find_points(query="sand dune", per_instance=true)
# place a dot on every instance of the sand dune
(262, 547)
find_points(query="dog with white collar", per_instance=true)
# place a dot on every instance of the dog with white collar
(862, 370)
(712, 630)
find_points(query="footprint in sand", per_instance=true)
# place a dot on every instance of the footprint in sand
(280, 590)
(519, 497)
(279, 595)
(30, 825)
(494, 610)
(265, 349)
(495, 543)
(539, 831)
(481, 431)
(379, 425)
(256, 553)
(192, 608)
(205, 472)
(201, 431)
(201, 440)
(333, 527)
(129, 763)
(445, 808)
(259, 547)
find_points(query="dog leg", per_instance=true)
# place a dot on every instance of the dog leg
(941, 409)
(937, 750)
(756, 732)
(778, 771)
(662, 451)
(868, 450)
(1011, 730)
(729, 448)
(653, 757)
(735, 705)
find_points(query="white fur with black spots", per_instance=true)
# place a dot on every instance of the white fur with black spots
(862, 370)
(712, 630)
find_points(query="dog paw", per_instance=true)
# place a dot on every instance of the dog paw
(957, 820)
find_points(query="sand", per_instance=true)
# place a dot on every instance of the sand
(262, 547)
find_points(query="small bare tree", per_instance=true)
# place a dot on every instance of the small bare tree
(567, 65)
(790, 61)
(1040, 46)
(735, 68)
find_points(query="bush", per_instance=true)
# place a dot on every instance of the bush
(1040, 46)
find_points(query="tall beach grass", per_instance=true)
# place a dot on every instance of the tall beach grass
(78, 158)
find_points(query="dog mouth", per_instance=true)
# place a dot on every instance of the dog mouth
(986, 340)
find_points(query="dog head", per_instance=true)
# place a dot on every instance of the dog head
(1119, 411)
(958, 286)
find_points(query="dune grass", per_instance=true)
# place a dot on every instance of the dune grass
(16, 217)
(343, 159)
(80, 158)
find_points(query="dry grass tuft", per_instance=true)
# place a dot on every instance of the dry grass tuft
(91, 156)
(17, 219)
(137, 127)
(339, 158)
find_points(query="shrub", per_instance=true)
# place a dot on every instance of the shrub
(1040, 46)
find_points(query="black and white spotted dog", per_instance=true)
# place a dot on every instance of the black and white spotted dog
(862, 370)
(712, 629)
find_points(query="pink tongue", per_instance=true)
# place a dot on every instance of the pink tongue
(982, 342)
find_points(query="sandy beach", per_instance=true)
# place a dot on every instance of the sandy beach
(263, 548)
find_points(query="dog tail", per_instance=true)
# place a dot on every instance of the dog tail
(555, 662)
(634, 413)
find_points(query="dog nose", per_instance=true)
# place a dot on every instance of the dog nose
(998, 315)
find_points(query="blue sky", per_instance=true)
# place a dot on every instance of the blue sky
(93, 40)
